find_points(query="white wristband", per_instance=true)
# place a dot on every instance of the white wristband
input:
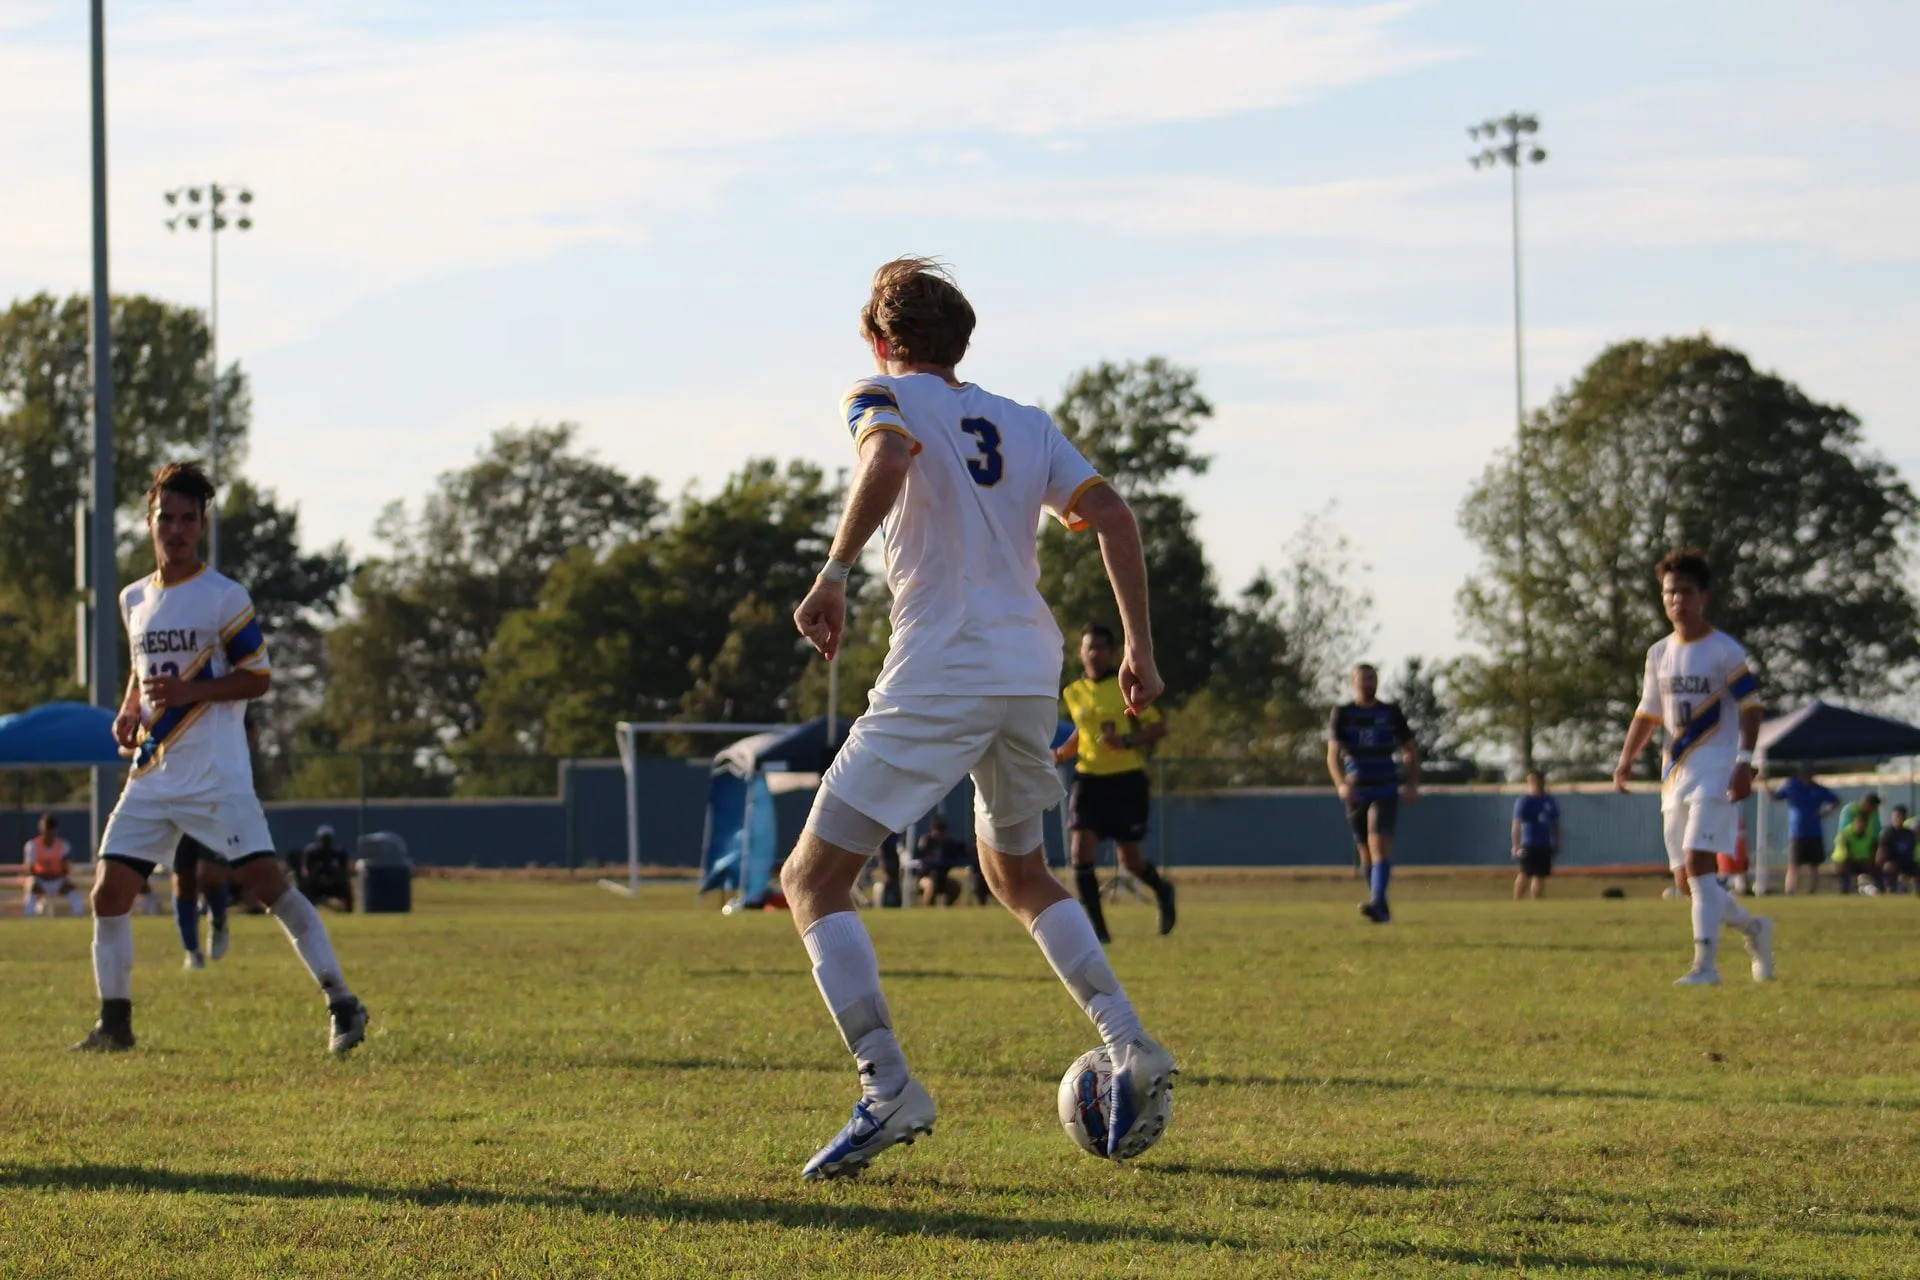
(1743, 757)
(836, 571)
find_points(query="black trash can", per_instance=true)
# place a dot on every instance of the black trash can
(383, 874)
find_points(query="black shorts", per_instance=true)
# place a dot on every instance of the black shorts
(1386, 814)
(1114, 806)
(1536, 860)
(1807, 851)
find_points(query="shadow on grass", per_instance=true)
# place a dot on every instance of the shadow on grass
(639, 1202)
(1312, 1173)
(937, 975)
(1601, 1093)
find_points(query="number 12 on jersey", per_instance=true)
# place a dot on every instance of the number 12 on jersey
(986, 469)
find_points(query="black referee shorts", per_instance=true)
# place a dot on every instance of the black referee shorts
(1114, 806)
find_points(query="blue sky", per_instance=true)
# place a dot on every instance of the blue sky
(658, 221)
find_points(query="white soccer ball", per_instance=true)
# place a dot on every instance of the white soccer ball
(1083, 1108)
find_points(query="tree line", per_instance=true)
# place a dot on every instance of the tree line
(538, 595)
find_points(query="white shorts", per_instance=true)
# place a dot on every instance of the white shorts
(905, 754)
(47, 886)
(1706, 823)
(229, 823)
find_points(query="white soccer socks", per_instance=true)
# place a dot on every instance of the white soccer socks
(113, 957)
(309, 937)
(1066, 939)
(848, 975)
(1713, 907)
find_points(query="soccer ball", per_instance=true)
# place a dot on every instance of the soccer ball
(1083, 1107)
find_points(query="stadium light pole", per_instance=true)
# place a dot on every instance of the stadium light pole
(1509, 141)
(106, 631)
(191, 212)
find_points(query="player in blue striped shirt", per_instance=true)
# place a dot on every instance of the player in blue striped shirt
(1368, 743)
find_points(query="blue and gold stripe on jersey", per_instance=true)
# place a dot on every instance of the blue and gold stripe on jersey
(871, 407)
(170, 725)
(1744, 687)
(1691, 735)
(245, 643)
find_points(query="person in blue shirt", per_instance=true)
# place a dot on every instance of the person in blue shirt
(1368, 743)
(1536, 837)
(1807, 803)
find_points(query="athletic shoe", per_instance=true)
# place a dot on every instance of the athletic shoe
(1165, 896)
(1760, 948)
(1142, 1070)
(113, 1033)
(217, 941)
(1376, 913)
(1698, 978)
(194, 960)
(349, 1018)
(875, 1126)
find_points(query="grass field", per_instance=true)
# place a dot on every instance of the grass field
(563, 1082)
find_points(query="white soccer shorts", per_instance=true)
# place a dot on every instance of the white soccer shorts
(47, 886)
(149, 827)
(906, 753)
(1707, 823)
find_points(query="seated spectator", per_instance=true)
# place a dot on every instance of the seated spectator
(1855, 845)
(939, 856)
(49, 871)
(321, 871)
(1896, 862)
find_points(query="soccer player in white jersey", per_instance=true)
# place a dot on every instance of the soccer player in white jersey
(1700, 685)
(198, 657)
(958, 479)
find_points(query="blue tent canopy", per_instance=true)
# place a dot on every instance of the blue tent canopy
(738, 852)
(1821, 732)
(58, 733)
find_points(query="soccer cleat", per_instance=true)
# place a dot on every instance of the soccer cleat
(1698, 978)
(875, 1126)
(194, 960)
(1760, 948)
(217, 940)
(113, 1033)
(1165, 896)
(1141, 1070)
(349, 1018)
(1376, 913)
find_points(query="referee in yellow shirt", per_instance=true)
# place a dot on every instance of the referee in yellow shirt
(1109, 799)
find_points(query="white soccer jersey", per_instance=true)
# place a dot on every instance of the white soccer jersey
(1697, 690)
(199, 629)
(961, 542)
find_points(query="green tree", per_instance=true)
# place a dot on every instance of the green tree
(1287, 644)
(1678, 443)
(1422, 690)
(160, 379)
(689, 621)
(405, 670)
(1136, 423)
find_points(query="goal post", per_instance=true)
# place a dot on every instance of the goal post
(627, 733)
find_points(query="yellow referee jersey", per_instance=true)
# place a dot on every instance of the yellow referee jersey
(1096, 707)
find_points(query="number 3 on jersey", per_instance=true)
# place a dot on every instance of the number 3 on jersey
(986, 469)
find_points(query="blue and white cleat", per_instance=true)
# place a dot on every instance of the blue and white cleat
(1140, 1096)
(217, 947)
(1760, 948)
(875, 1127)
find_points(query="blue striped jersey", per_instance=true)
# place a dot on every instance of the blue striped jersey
(1696, 689)
(200, 628)
(1370, 739)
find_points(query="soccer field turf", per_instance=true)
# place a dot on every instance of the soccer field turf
(559, 1081)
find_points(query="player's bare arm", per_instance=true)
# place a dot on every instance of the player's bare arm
(1410, 757)
(1516, 837)
(165, 691)
(126, 725)
(1639, 734)
(884, 459)
(1337, 771)
(1068, 750)
(1740, 785)
(1111, 519)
